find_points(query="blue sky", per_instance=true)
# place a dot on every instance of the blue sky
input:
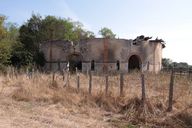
(170, 20)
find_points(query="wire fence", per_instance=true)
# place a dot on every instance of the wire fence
(146, 86)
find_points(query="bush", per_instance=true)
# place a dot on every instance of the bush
(39, 59)
(21, 58)
(3, 69)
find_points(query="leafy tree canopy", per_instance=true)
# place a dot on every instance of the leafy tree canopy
(168, 63)
(106, 33)
(8, 36)
(38, 30)
(2, 28)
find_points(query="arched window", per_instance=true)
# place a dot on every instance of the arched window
(92, 65)
(118, 65)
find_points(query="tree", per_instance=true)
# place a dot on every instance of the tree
(166, 63)
(54, 28)
(12, 31)
(5, 53)
(181, 65)
(7, 39)
(38, 30)
(19, 56)
(80, 33)
(29, 34)
(12, 52)
(2, 28)
(90, 34)
(106, 33)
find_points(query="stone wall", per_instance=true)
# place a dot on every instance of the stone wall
(149, 54)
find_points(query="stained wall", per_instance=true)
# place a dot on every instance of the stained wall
(105, 53)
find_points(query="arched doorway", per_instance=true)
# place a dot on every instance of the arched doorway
(134, 63)
(75, 62)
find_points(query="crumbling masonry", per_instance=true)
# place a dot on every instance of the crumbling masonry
(103, 54)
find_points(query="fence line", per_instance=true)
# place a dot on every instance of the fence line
(179, 71)
(122, 83)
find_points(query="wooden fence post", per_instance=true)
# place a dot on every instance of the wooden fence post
(143, 88)
(107, 84)
(180, 72)
(16, 73)
(121, 84)
(78, 83)
(66, 79)
(63, 74)
(53, 78)
(59, 65)
(189, 73)
(171, 92)
(90, 82)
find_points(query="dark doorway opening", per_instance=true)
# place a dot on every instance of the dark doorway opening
(134, 63)
(92, 65)
(118, 65)
(75, 62)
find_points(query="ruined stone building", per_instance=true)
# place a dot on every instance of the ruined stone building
(102, 54)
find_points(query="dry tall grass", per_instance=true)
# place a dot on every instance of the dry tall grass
(121, 111)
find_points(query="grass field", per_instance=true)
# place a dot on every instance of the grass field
(42, 102)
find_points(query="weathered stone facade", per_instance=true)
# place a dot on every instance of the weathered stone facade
(101, 54)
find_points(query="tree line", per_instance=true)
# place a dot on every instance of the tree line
(19, 45)
(168, 63)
